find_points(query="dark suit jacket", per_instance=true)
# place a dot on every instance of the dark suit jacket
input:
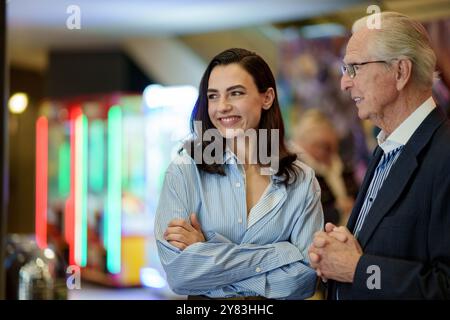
(407, 231)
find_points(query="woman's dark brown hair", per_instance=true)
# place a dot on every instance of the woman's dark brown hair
(270, 118)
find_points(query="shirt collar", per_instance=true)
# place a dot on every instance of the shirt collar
(230, 158)
(401, 135)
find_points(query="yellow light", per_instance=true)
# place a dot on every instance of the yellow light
(18, 102)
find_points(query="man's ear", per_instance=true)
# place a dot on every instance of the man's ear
(403, 73)
(269, 97)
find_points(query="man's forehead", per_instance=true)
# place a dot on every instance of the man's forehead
(357, 46)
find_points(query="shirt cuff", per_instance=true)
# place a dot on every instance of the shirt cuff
(288, 253)
(214, 237)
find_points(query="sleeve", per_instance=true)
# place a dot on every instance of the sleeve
(217, 262)
(400, 279)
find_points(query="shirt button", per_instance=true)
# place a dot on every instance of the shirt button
(240, 220)
(258, 269)
(238, 184)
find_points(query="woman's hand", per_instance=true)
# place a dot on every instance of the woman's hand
(181, 234)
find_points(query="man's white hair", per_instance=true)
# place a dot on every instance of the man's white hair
(402, 36)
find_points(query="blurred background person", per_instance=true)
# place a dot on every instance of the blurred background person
(316, 141)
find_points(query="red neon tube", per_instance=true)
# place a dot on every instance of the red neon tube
(41, 181)
(70, 205)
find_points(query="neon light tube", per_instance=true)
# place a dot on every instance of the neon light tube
(96, 155)
(84, 184)
(64, 170)
(71, 201)
(41, 181)
(113, 212)
(80, 233)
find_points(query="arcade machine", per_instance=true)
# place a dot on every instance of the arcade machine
(90, 185)
(100, 164)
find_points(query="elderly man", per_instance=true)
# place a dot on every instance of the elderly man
(397, 241)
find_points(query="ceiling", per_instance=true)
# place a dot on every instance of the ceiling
(203, 26)
(35, 26)
(120, 18)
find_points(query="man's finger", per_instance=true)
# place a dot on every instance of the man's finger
(319, 242)
(340, 236)
(320, 234)
(343, 229)
(314, 257)
(329, 227)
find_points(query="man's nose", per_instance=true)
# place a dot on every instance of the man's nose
(346, 82)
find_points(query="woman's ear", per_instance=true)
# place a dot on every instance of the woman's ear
(269, 96)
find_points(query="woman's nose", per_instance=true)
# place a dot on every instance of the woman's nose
(224, 105)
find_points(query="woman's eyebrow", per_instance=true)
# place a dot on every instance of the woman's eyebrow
(238, 86)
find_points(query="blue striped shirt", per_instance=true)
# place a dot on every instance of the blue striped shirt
(381, 172)
(265, 254)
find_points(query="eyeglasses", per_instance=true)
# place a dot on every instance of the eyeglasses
(350, 68)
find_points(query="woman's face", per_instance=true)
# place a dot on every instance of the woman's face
(234, 101)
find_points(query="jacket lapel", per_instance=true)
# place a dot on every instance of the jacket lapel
(392, 187)
(400, 174)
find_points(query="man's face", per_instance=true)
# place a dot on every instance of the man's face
(373, 88)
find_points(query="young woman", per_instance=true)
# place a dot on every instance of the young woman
(227, 229)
